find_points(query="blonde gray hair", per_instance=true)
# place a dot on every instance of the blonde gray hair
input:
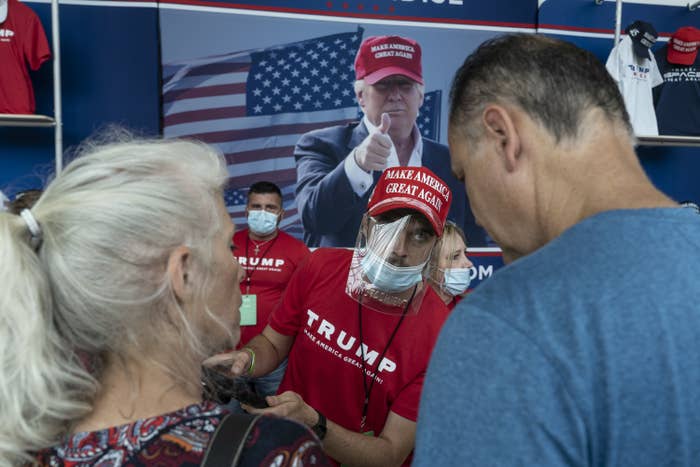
(96, 285)
(451, 229)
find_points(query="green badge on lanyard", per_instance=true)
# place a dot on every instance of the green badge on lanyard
(249, 315)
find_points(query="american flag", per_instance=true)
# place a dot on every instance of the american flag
(428, 120)
(255, 104)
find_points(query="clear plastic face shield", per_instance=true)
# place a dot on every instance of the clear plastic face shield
(391, 262)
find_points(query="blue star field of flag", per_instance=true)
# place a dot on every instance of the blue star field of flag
(234, 197)
(306, 76)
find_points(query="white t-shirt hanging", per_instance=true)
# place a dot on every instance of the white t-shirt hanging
(636, 77)
(3, 199)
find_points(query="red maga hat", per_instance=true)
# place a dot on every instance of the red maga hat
(382, 56)
(682, 48)
(416, 188)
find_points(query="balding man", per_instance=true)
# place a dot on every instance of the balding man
(583, 350)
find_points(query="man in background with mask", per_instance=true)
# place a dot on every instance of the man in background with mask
(359, 326)
(268, 257)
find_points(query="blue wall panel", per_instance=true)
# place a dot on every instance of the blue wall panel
(505, 12)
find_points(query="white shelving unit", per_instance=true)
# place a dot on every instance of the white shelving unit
(26, 120)
(22, 120)
(661, 140)
(668, 140)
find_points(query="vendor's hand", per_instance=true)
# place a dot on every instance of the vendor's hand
(373, 152)
(289, 404)
(236, 362)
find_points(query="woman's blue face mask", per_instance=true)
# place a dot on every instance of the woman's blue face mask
(456, 280)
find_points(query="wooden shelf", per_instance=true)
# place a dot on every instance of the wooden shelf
(26, 120)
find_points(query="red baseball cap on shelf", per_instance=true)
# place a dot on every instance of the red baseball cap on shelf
(682, 48)
(382, 56)
(416, 188)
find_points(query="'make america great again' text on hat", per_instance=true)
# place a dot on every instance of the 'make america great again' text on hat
(416, 188)
(683, 46)
(382, 56)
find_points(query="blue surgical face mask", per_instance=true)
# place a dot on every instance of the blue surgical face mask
(457, 280)
(387, 277)
(262, 222)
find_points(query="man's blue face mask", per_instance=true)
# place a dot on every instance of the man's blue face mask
(262, 222)
(390, 278)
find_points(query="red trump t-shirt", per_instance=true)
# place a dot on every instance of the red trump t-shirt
(22, 44)
(267, 273)
(325, 365)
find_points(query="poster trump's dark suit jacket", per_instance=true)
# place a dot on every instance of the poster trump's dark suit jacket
(331, 211)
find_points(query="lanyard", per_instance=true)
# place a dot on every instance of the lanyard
(249, 273)
(368, 390)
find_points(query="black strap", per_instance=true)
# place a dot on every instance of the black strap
(227, 442)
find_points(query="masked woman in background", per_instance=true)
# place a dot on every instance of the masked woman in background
(451, 269)
(116, 285)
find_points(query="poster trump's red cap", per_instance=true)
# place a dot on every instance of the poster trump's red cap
(382, 56)
(416, 188)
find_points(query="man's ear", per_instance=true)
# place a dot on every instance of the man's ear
(179, 272)
(501, 127)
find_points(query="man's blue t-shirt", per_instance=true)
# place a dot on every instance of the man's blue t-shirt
(583, 353)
